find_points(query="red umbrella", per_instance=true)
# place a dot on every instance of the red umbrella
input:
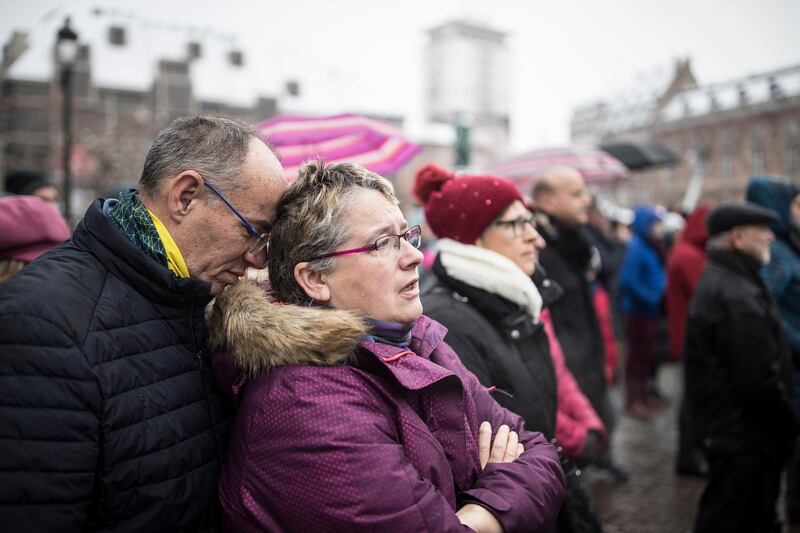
(375, 145)
(594, 165)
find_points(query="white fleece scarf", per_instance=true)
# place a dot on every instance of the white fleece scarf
(491, 272)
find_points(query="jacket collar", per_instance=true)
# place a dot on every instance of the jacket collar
(494, 307)
(256, 334)
(413, 373)
(550, 290)
(567, 240)
(99, 236)
(738, 263)
(500, 312)
(262, 334)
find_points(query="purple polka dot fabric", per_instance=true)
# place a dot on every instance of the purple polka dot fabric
(387, 444)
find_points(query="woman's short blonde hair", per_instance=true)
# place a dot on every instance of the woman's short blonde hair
(309, 221)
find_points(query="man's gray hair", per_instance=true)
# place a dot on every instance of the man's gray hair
(214, 147)
(720, 241)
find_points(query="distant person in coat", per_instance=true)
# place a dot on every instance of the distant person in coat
(606, 290)
(353, 413)
(642, 282)
(493, 311)
(562, 204)
(739, 375)
(31, 183)
(508, 342)
(685, 264)
(782, 276)
(29, 226)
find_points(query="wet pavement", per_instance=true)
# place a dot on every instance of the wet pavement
(655, 499)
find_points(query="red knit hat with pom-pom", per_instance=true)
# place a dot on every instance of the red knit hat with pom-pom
(461, 207)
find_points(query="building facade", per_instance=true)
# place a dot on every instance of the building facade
(131, 78)
(467, 84)
(724, 133)
(729, 132)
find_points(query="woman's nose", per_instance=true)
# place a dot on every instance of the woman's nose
(410, 256)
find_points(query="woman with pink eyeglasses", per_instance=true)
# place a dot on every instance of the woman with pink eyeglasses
(353, 414)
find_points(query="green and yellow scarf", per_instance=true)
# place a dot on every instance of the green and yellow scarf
(146, 231)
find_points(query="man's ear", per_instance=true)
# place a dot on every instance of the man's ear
(183, 193)
(736, 237)
(543, 199)
(312, 282)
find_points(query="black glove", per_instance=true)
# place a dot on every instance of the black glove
(590, 449)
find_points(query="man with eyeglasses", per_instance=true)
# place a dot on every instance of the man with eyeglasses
(110, 420)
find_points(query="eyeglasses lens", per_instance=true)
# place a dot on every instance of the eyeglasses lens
(259, 244)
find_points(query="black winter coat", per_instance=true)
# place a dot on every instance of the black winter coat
(574, 316)
(500, 344)
(108, 420)
(738, 367)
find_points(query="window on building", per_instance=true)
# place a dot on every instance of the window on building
(36, 120)
(742, 91)
(701, 152)
(687, 109)
(792, 157)
(81, 84)
(292, 88)
(41, 154)
(195, 50)
(179, 96)
(726, 154)
(116, 36)
(713, 101)
(757, 152)
(775, 90)
(173, 67)
(13, 154)
(236, 57)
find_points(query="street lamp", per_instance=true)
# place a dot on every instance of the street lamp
(67, 54)
(463, 146)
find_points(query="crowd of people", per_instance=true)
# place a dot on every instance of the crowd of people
(151, 383)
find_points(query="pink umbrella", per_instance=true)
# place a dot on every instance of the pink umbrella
(375, 145)
(594, 165)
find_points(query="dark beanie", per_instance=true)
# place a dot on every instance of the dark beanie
(728, 215)
(25, 181)
(461, 207)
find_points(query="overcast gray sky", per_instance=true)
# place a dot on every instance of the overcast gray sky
(368, 55)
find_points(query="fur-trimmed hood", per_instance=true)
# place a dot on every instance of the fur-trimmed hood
(259, 334)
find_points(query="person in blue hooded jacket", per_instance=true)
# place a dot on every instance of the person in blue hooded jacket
(642, 282)
(782, 276)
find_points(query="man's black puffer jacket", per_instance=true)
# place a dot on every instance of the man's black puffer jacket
(108, 418)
